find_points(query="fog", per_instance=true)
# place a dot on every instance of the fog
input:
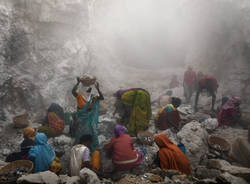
(165, 33)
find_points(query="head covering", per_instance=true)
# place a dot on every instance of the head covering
(119, 93)
(236, 100)
(29, 132)
(118, 130)
(171, 157)
(42, 152)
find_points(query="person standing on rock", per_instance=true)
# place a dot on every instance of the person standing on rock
(189, 83)
(170, 156)
(168, 116)
(87, 115)
(210, 85)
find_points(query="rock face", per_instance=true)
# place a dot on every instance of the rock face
(39, 40)
(46, 177)
(194, 137)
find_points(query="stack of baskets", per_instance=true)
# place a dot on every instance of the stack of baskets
(9, 173)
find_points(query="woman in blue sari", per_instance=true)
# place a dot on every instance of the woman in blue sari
(42, 154)
(87, 115)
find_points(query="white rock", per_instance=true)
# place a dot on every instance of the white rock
(225, 166)
(6, 151)
(102, 139)
(194, 137)
(46, 177)
(89, 176)
(64, 179)
(233, 179)
(172, 136)
(62, 140)
(210, 124)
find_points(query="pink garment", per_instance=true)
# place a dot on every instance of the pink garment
(229, 111)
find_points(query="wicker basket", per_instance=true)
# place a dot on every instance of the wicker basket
(21, 121)
(218, 143)
(14, 165)
(146, 137)
(88, 80)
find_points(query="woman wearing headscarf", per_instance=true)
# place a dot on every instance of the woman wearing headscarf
(230, 113)
(42, 154)
(87, 115)
(121, 149)
(134, 106)
(28, 142)
(168, 116)
(170, 156)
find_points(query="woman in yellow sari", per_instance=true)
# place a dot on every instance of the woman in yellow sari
(135, 109)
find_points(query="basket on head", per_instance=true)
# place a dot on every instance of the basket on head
(13, 166)
(146, 137)
(218, 143)
(88, 80)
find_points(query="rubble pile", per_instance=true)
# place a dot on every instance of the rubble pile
(210, 164)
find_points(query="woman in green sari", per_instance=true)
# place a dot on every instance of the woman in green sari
(87, 116)
(135, 108)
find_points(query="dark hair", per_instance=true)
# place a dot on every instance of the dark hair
(176, 102)
(85, 138)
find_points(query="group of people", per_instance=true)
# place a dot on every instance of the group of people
(36, 149)
(134, 107)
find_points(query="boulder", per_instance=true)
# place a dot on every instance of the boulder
(202, 172)
(89, 176)
(46, 177)
(225, 166)
(194, 137)
(210, 124)
(198, 116)
(64, 179)
(6, 151)
(241, 151)
(62, 140)
(226, 177)
(172, 136)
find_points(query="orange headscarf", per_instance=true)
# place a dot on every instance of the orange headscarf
(29, 132)
(171, 157)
